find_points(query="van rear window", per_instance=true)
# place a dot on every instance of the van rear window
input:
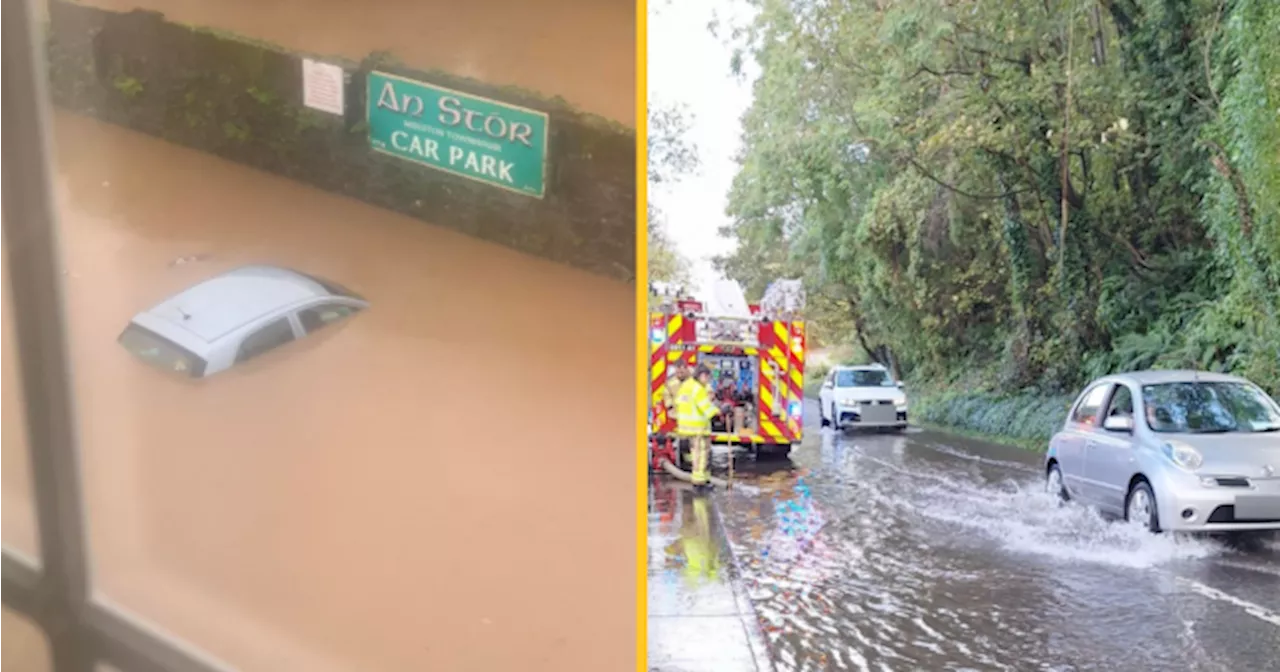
(160, 352)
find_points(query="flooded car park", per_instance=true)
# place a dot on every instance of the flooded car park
(325, 504)
(928, 551)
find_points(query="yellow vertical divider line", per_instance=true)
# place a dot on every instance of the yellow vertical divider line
(642, 336)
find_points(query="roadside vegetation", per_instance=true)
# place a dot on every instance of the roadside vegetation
(1001, 201)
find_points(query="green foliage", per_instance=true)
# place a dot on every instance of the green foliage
(1025, 419)
(813, 376)
(128, 86)
(907, 160)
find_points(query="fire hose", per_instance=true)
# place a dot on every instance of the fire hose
(662, 456)
(685, 476)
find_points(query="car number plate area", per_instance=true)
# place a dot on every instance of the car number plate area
(879, 413)
(1257, 507)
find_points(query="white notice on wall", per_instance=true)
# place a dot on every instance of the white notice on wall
(322, 86)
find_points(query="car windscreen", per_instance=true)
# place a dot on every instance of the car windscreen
(863, 378)
(1208, 408)
(160, 352)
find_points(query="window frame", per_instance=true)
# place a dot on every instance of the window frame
(288, 320)
(1102, 405)
(1111, 402)
(80, 631)
(351, 309)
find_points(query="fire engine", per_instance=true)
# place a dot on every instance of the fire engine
(760, 358)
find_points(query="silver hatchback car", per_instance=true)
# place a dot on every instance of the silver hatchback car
(235, 317)
(1181, 451)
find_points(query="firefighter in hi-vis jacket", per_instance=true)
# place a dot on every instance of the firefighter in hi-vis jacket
(672, 388)
(694, 411)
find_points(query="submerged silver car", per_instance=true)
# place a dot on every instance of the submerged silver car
(1173, 450)
(235, 317)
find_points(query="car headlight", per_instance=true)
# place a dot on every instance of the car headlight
(901, 404)
(849, 403)
(1182, 455)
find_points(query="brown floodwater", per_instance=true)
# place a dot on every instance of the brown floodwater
(581, 50)
(445, 481)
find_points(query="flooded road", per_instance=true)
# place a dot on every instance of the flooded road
(928, 552)
(581, 50)
(410, 491)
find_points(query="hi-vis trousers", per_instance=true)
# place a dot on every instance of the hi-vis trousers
(700, 456)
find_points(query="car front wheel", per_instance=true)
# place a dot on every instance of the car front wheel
(1054, 485)
(1140, 507)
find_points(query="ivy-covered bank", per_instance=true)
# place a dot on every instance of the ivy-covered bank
(242, 100)
(1026, 418)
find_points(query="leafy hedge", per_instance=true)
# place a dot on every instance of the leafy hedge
(1026, 418)
(242, 100)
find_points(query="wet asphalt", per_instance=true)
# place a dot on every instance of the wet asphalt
(926, 551)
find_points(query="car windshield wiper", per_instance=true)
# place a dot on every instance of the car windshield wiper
(1214, 430)
(1272, 428)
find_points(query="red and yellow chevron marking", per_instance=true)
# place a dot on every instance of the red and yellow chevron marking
(797, 356)
(795, 374)
(739, 438)
(779, 345)
(657, 370)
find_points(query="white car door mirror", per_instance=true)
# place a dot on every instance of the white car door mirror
(826, 385)
(1118, 423)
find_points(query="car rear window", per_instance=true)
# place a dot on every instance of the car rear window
(333, 287)
(160, 352)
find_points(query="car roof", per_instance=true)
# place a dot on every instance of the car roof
(1173, 376)
(220, 305)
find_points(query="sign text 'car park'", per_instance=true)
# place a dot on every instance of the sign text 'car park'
(478, 138)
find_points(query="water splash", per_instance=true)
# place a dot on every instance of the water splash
(1022, 517)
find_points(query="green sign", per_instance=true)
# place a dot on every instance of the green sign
(481, 139)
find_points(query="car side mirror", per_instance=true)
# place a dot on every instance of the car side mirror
(1118, 423)
(902, 385)
(826, 385)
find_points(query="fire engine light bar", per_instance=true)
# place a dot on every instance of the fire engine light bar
(795, 409)
(657, 335)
